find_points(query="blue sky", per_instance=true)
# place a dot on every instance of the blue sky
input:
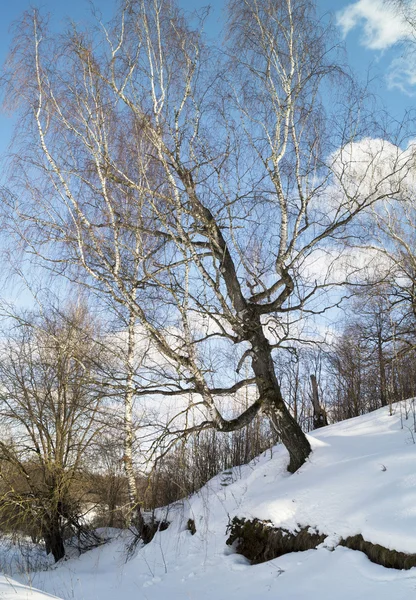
(371, 31)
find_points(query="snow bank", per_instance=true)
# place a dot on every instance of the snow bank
(360, 478)
(13, 590)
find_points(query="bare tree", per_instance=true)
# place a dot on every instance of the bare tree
(107, 482)
(349, 367)
(194, 188)
(49, 412)
(373, 314)
(396, 236)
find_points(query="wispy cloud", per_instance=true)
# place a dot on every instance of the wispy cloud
(382, 27)
(402, 74)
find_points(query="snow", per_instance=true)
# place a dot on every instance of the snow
(13, 590)
(359, 479)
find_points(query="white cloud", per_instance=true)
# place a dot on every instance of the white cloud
(383, 26)
(371, 167)
(402, 74)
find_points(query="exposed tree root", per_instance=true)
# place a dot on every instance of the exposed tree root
(191, 526)
(259, 541)
(380, 555)
(150, 529)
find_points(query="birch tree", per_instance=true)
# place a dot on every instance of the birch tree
(193, 187)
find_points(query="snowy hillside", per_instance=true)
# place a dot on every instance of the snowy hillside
(361, 478)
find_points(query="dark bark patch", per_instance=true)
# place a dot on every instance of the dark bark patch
(259, 541)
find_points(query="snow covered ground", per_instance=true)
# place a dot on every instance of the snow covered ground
(361, 478)
(13, 590)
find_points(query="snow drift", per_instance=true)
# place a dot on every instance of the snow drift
(360, 479)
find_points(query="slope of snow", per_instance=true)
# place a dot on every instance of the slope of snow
(361, 478)
(13, 590)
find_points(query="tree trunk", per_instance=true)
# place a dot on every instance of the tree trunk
(135, 516)
(288, 430)
(383, 379)
(319, 414)
(53, 536)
